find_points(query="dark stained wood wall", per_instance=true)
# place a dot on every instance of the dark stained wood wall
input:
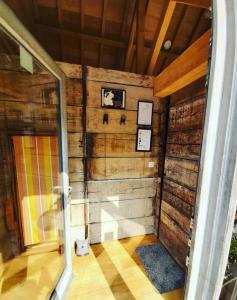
(186, 119)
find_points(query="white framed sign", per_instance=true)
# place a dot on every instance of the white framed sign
(144, 137)
(144, 113)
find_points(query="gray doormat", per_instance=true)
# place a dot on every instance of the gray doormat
(161, 268)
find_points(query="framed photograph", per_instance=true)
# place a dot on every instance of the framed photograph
(144, 137)
(144, 113)
(112, 98)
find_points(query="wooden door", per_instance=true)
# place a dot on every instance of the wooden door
(37, 169)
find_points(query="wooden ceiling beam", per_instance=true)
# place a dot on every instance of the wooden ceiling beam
(160, 35)
(105, 4)
(82, 25)
(59, 14)
(196, 3)
(128, 57)
(79, 35)
(141, 7)
(189, 66)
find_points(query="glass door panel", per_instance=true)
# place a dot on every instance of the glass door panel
(31, 210)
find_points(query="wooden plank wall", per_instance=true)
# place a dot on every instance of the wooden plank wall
(121, 185)
(186, 119)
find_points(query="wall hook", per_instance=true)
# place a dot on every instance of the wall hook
(106, 119)
(123, 120)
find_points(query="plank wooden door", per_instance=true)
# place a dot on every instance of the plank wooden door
(37, 167)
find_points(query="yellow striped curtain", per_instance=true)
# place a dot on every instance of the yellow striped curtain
(37, 172)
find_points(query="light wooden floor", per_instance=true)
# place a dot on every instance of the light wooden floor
(31, 275)
(112, 270)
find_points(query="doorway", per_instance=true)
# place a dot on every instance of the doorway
(33, 202)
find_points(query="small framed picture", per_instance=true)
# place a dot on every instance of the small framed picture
(144, 137)
(144, 113)
(112, 98)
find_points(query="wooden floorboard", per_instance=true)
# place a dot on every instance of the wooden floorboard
(31, 275)
(112, 270)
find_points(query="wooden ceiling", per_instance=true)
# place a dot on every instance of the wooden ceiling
(116, 34)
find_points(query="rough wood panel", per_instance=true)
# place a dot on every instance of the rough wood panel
(77, 215)
(187, 116)
(180, 191)
(75, 167)
(189, 137)
(77, 195)
(100, 232)
(183, 207)
(118, 145)
(71, 70)
(106, 75)
(118, 168)
(133, 95)
(74, 91)
(34, 116)
(184, 151)
(118, 190)
(75, 145)
(95, 121)
(178, 217)
(174, 227)
(196, 89)
(74, 119)
(176, 247)
(120, 210)
(182, 171)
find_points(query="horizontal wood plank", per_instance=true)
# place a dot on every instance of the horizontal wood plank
(180, 191)
(184, 151)
(95, 121)
(176, 247)
(189, 137)
(133, 95)
(118, 168)
(118, 145)
(119, 190)
(100, 232)
(119, 77)
(74, 92)
(75, 144)
(120, 210)
(178, 204)
(187, 116)
(182, 171)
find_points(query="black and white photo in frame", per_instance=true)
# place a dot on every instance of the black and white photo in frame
(113, 98)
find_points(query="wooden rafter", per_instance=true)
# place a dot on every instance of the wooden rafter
(121, 55)
(83, 36)
(160, 35)
(197, 3)
(59, 14)
(82, 25)
(140, 36)
(173, 39)
(128, 58)
(188, 67)
(105, 4)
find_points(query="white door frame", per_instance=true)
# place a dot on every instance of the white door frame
(11, 24)
(217, 188)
